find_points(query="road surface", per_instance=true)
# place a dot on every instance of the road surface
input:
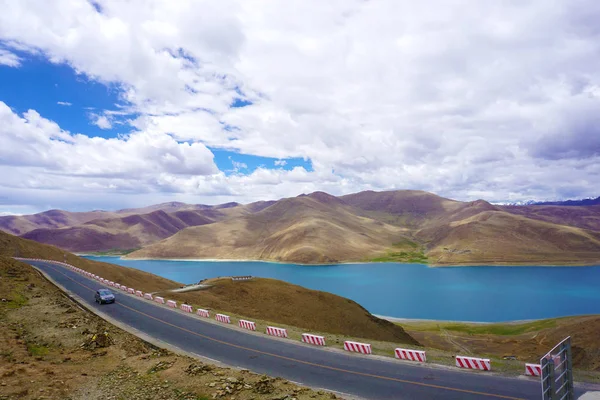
(358, 375)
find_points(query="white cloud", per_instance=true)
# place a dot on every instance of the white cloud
(280, 163)
(33, 143)
(101, 121)
(472, 99)
(64, 103)
(9, 59)
(237, 166)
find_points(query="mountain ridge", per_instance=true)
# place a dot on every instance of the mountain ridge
(319, 228)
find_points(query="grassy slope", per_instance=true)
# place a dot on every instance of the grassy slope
(273, 300)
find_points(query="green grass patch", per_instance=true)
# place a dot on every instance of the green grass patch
(405, 243)
(37, 350)
(17, 300)
(501, 329)
(113, 252)
(403, 256)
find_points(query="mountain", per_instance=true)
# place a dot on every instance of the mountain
(583, 202)
(20, 224)
(315, 228)
(480, 233)
(52, 219)
(401, 226)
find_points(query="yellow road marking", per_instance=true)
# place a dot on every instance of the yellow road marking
(429, 385)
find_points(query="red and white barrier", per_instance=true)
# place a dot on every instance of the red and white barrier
(148, 296)
(139, 293)
(131, 290)
(124, 288)
(186, 307)
(159, 299)
(533, 369)
(172, 303)
(313, 339)
(273, 331)
(223, 318)
(203, 313)
(410, 355)
(111, 283)
(357, 347)
(247, 324)
(482, 364)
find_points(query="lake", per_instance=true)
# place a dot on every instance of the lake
(486, 294)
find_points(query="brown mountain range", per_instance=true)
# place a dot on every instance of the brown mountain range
(404, 226)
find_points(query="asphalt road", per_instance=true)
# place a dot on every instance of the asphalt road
(359, 375)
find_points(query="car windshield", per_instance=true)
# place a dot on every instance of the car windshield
(104, 292)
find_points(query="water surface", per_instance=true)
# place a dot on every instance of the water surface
(485, 293)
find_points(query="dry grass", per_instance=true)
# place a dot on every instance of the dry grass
(293, 306)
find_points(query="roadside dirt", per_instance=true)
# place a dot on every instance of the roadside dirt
(52, 349)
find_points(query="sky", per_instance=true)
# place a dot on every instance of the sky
(111, 104)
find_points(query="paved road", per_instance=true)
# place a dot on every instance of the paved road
(358, 375)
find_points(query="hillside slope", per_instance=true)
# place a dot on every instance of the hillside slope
(479, 233)
(585, 217)
(318, 228)
(273, 300)
(130, 232)
(20, 224)
(13, 246)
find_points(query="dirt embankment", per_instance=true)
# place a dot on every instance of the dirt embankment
(282, 302)
(13, 246)
(52, 349)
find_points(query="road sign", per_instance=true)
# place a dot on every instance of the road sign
(557, 372)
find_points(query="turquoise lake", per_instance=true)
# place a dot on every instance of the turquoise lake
(486, 294)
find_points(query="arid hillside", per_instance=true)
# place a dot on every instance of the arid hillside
(399, 226)
(130, 229)
(295, 306)
(125, 233)
(480, 233)
(318, 228)
(13, 246)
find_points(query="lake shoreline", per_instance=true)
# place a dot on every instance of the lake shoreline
(216, 260)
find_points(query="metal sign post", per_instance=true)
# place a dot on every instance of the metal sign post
(557, 372)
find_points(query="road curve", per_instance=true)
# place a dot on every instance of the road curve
(357, 375)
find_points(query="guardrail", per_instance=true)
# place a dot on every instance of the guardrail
(241, 278)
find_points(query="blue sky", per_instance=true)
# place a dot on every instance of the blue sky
(40, 85)
(60, 94)
(225, 101)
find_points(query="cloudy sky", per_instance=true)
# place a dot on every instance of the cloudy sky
(111, 104)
